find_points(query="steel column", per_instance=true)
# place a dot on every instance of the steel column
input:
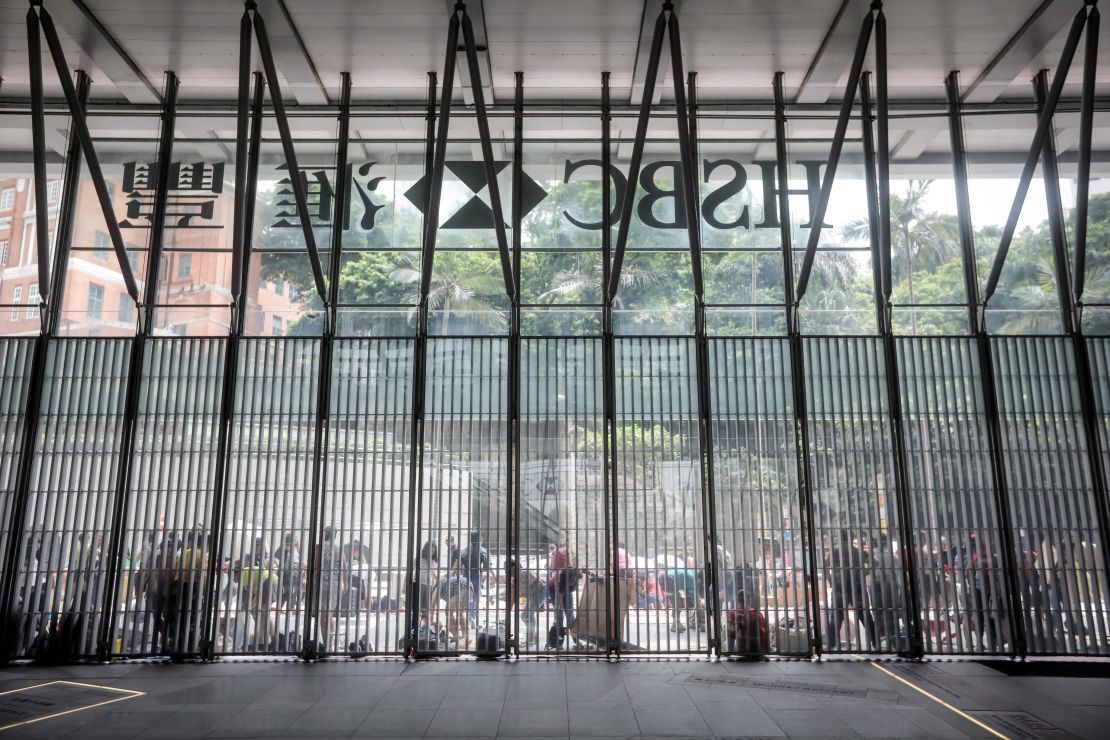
(299, 192)
(986, 368)
(515, 365)
(241, 254)
(608, 376)
(688, 119)
(80, 125)
(1083, 177)
(1044, 125)
(1057, 226)
(1092, 427)
(38, 138)
(797, 369)
(324, 379)
(839, 134)
(129, 430)
(420, 346)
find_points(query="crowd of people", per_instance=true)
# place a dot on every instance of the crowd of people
(461, 589)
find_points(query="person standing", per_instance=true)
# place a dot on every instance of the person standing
(474, 564)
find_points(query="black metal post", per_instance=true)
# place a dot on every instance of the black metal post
(324, 380)
(295, 181)
(229, 387)
(129, 425)
(608, 381)
(487, 152)
(38, 138)
(986, 368)
(890, 351)
(515, 366)
(1083, 177)
(839, 133)
(797, 368)
(1072, 319)
(420, 343)
(867, 119)
(80, 125)
(637, 153)
(687, 119)
(242, 122)
(36, 379)
(1057, 226)
(1044, 125)
(63, 227)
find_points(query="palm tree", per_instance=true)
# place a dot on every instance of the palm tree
(460, 285)
(926, 239)
(586, 274)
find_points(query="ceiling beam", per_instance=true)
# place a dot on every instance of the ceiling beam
(103, 50)
(916, 140)
(1021, 51)
(291, 55)
(834, 55)
(477, 12)
(643, 51)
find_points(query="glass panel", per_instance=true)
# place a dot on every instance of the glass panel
(16, 356)
(1060, 569)
(760, 580)
(1026, 301)
(840, 298)
(366, 499)
(860, 577)
(659, 494)
(464, 494)
(167, 539)
(64, 574)
(960, 578)
(19, 288)
(562, 511)
(268, 497)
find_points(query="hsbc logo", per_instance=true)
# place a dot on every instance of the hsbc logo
(660, 182)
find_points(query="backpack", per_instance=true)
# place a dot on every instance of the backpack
(490, 642)
(747, 631)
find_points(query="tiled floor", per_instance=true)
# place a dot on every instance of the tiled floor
(539, 699)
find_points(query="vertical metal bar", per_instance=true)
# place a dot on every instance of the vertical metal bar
(77, 114)
(432, 155)
(637, 153)
(687, 121)
(230, 370)
(834, 154)
(1083, 178)
(867, 119)
(487, 153)
(963, 198)
(800, 423)
(515, 364)
(38, 138)
(883, 154)
(129, 429)
(38, 363)
(324, 379)
(608, 380)
(298, 185)
(63, 227)
(1044, 126)
(984, 352)
(1057, 225)
(158, 219)
(435, 182)
(242, 121)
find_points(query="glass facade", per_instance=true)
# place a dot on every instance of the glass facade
(561, 474)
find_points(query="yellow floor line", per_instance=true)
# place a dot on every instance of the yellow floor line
(942, 702)
(130, 694)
